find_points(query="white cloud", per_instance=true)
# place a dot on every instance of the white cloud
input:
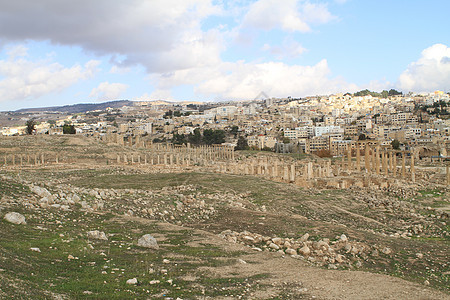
(289, 49)
(241, 80)
(17, 51)
(108, 91)
(290, 15)
(162, 35)
(119, 70)
(25, 79)
(431, 72)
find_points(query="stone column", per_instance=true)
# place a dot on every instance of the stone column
(403, 164)
(139, 159)
(377, 161)
(385, 163)
(292, 173)
(137, 141)
(448, 174)
(286, 173)
(413, 172)
(118, 158)
(125, 158)
(42, 159)
(310, 170)
(367, 158)
(349, 157)
(394, 163)
(358, 158)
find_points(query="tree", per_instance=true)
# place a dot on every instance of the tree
(31, 126)
(395, 144)
(179, 139)
(242, 144)
(211, 136)
(393, 92)
(69, 129)
(362, 137)
(177, 113)
(195, 138)
(168, 114)
(234, 130)
(286, 140)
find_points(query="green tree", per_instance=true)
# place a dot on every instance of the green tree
(168, 114)
(362, 137)
(242, 144)
(234, 130)
(211, 136)
(69, 129)
(393, 92)
(177, 113)
(30, 126)
(395, 144)
(179, 139)
(196, 137)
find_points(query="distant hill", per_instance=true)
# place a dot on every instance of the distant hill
(79, 108)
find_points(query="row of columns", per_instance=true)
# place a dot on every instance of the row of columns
(27, 159)
(380, 162)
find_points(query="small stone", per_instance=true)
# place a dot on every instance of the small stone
(147, 241)
(15, 218)
(277, 241)
(166, 261)
(419, 255)
(290, 251)
(35, 249)
(154, 282)
(70, 257)
(332, 267)
(343, 238)
(304, 238)
(386, 250)
(426, 282)
(241, 261)
(274, 246)
(132, 281)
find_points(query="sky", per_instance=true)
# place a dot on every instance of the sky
(59, 52)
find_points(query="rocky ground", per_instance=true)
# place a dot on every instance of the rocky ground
(104, 232)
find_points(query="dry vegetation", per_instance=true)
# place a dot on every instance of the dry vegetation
(220, 236)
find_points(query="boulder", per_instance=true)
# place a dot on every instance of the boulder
(15, 218)
(147, 241)
(97, 235)
(132, 281)
(305, 251)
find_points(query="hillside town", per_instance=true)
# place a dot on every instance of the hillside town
(321, 125)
